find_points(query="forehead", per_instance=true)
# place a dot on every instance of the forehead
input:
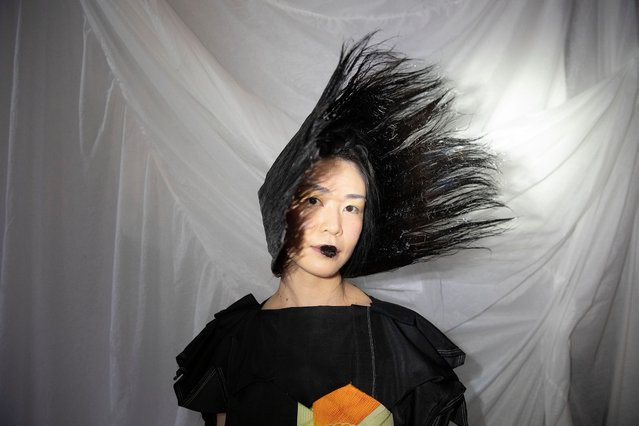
(338, 175)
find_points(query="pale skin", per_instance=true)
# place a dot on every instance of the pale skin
(335, 217)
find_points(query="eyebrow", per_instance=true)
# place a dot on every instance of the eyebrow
(325, 190)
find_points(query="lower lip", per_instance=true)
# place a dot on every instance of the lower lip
(319, 251)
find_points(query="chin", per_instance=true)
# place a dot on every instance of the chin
(328, 274)
(322, 272)
(320, 268)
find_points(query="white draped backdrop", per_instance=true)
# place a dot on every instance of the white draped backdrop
(136, 134)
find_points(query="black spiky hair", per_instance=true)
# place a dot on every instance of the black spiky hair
(393, 119)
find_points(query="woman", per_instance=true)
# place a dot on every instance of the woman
(372, 181)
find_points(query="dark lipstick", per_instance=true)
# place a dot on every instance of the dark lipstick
(328, 250)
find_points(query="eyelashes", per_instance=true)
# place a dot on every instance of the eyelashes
(317, 202)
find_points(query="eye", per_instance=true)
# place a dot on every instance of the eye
(312, 201)
(351, 209)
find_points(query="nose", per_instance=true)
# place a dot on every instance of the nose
(331, 221)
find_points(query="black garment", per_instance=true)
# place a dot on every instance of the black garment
(261, 363)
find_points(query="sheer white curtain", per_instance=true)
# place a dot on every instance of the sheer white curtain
(136, 134)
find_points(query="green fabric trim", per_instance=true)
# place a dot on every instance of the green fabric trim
(379, 417)
(304, 415)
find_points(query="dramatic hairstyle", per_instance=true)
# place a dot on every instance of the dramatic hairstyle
(393, 120)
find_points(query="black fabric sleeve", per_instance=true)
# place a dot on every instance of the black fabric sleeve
(200, 379)
(200, 382)
(431, 394)
(428, 405)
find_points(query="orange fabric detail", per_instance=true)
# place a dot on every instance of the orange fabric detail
(344, 405)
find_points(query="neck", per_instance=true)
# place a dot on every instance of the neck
(298, 288)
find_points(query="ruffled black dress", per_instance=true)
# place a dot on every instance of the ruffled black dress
(262, 367)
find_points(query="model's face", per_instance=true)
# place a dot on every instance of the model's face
(332, 219)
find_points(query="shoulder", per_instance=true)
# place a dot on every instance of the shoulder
(356, 296)
(216, 329)
(228, 318)
(199, 381)
(419, 331)
(243, 305)
(418, 359)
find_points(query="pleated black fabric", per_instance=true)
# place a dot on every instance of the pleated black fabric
(266, 361)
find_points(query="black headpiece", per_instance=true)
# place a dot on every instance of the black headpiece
(393, 118)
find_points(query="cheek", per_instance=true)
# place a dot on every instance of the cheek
(353, 231)
(308, 226)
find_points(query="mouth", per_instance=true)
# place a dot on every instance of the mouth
(327, 250)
